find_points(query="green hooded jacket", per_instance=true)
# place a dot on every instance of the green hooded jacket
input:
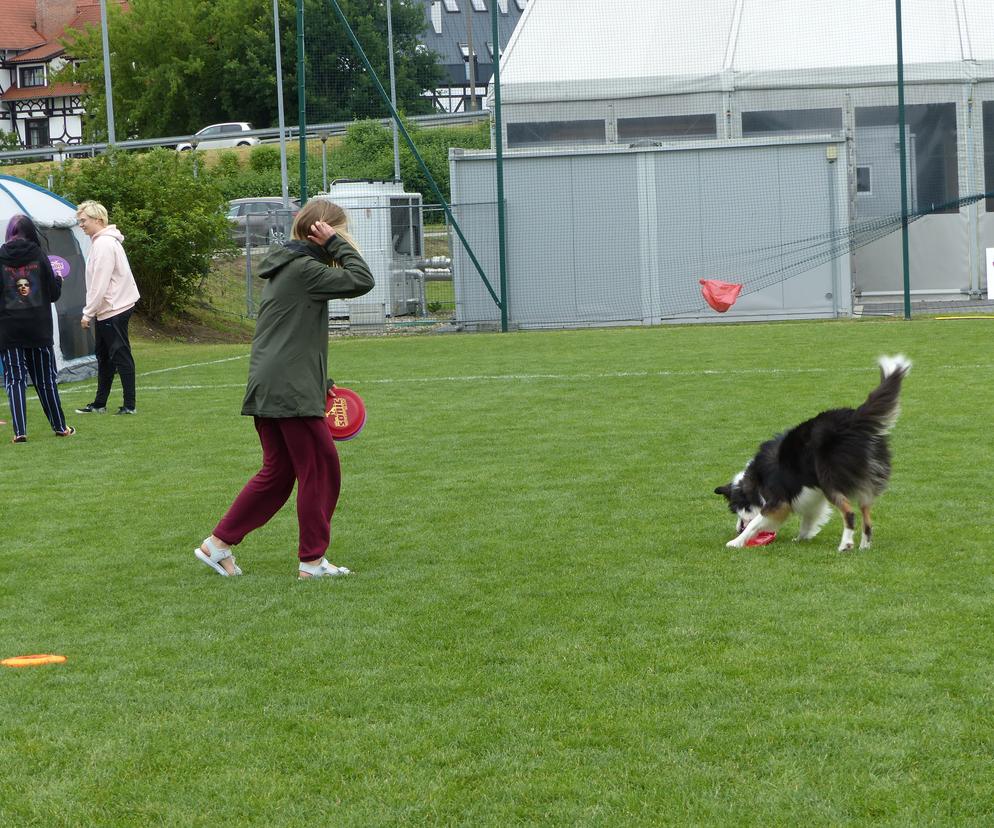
(288, 368)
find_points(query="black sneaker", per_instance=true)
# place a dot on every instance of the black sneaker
(91, 408)
(125, 410)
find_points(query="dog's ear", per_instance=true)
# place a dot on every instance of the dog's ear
(724, 491)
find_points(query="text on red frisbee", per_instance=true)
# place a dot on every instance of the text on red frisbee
(344, 412)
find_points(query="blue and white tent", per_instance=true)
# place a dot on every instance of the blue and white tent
(67, 246)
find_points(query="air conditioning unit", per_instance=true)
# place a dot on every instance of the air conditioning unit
(386, 223)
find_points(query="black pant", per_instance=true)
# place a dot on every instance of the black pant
(114, 356)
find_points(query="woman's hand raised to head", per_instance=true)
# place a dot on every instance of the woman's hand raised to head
(320, 232)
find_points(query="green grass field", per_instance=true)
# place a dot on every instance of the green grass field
(544, 627)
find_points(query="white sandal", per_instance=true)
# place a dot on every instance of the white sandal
(217, 554)
(321, 569)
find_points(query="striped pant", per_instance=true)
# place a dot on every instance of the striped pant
(38, 364)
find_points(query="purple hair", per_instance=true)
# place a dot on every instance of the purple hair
(21, 227)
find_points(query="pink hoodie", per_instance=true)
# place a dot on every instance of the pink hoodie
(110, 284)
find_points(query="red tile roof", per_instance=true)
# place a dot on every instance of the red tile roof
(17, 30)
(54, 90)
(87, 14)
(45, 52)
(17, 25)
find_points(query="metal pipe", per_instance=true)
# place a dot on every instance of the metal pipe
(393, 92)
(108, 88)
(279, 107)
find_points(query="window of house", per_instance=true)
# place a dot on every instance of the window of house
(989, 153)
(436, 16)
(932, 156)
(791, 122)
(32, 76)
(451, 5)
(480, 5)
(36, 133)
(538, 133)
(668, 127)
(502, 5)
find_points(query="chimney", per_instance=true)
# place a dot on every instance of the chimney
(52, 16)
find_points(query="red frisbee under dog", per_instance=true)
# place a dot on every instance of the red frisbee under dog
(345, 413)
(761, 539)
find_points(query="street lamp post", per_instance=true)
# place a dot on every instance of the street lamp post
(324, 160)
(393, 91)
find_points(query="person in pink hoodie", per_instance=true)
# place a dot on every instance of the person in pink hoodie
(111, 294)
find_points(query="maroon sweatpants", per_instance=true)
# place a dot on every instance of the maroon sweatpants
(297, 449)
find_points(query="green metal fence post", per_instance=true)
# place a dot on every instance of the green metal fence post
(301, 103)
(902, 141)
(499, 147)
(414, 151)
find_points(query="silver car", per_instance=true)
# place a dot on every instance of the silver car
(260, 221)
(219, 136)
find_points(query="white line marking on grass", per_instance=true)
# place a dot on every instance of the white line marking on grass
(586, 377)
(193, 365)
(604, 375)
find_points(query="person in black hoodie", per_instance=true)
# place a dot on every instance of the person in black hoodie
(28, 288)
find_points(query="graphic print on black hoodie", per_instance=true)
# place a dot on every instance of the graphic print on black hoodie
(28, 287)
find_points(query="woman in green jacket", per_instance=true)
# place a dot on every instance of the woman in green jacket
(287, 388)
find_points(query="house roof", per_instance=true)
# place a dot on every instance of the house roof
(21, 17)
(52, 90)
(621, 50)
(448, 31)
(88, 13)
(45, 52)
(17, 25)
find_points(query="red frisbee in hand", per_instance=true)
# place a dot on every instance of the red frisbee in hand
(719, 295)
(345, 413)
(761, 539)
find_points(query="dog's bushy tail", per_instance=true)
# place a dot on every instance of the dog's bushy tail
(883, 405)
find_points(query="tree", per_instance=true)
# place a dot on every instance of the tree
(177, 65)
(172, 221)
(367, 152)
(338, 86)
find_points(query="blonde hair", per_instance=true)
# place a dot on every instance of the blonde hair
(320, 209)
(93, 210)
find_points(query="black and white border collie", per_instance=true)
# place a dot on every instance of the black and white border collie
(840, 457)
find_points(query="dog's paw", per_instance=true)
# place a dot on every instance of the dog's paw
(735, 543)
(864, 543)
(846, 547)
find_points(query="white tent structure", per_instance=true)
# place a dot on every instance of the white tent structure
(67, 247)
(631, 49)
(676, 76)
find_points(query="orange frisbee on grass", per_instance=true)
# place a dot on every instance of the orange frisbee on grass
(33, 660)
(345, 413)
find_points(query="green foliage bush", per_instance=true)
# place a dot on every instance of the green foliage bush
(228, 164)
(264, 157)
(365, 152)
(9, 141)
(172, 222)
